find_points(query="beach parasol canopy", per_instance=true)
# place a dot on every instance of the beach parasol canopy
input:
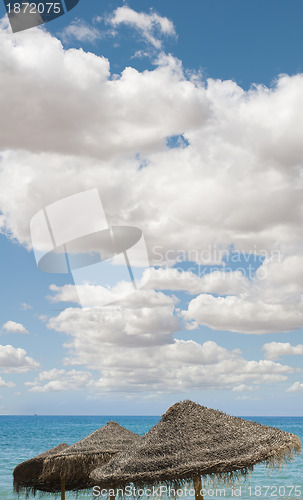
(27, 472)
(192, 441)
(69, 469)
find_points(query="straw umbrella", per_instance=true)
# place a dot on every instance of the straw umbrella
(27, 472)
(69, 469)
(192, 441)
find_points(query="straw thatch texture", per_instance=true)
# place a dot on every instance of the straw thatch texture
(27, 472)
(78, 460)
(192, 440)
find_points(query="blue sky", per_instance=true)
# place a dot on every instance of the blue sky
(178, 115)
(247, 42)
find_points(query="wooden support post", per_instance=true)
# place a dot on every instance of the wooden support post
(198, 488)
(111, 491)
(63, 488)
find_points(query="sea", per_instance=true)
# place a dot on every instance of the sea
(23, 437)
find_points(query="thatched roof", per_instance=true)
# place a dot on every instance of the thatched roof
(27, 472)
(77, 461)
(192, 440)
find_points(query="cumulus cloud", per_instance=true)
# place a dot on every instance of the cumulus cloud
(237, 314)
(115, 110)
(296, 387)
(131, 298)
(177, 367)
(245, 397)
(13, 327)
(270, 302)
(149, 25)
(217, 282)
(133, 348)
(244, 388)
(3, 383)
(185, 366)
(135, 324)
(160, 279)
(60, 380)
(25, 307)
(228, 131)
(237, 183)
(82, 31)
(274, 350)
(15, 360)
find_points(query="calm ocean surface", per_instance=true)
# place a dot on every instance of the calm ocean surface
(23, 437)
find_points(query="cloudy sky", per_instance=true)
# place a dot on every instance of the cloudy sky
(188, 122)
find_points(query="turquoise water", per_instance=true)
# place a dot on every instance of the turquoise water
(22, 437)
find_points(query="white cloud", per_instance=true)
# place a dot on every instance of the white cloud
(244, 388)
(273, 350)
(136, 323)
(237, 314)
(94, 294)
(25, 307)
(134, 350)
(82, 31)
(149, 25)
(13, 327)
(218, 282)
(60, 380)
(114, 109)
(15, 360)
(135, 113)
(43, 318)
(178, 367)
(140, 54)
(296, 387)
(6, 384)
(238, 182)
(270, 302)
(245, 397)
(131, 344)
